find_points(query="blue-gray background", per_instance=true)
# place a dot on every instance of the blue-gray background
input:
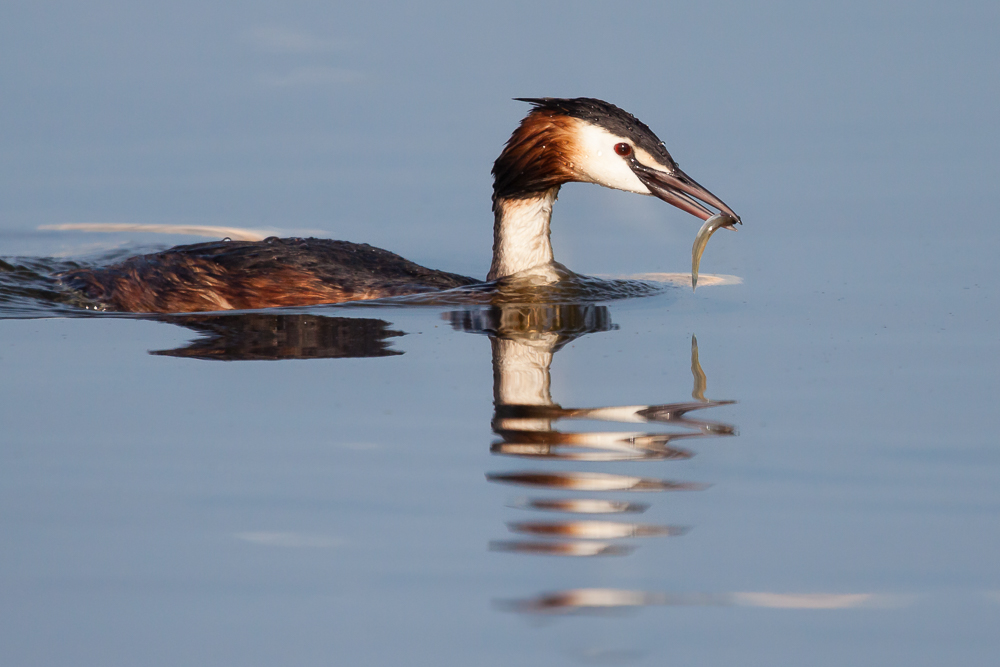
(857, 140)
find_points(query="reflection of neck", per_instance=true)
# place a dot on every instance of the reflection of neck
(521, 377)
(521, 233)
(521, 370)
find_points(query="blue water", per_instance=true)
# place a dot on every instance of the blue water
(205, 505)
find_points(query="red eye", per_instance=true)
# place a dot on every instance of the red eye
(623, 149)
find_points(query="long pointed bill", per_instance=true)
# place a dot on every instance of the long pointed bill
(677, 188)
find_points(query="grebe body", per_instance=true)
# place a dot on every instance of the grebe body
(244, 275)
(559, 141)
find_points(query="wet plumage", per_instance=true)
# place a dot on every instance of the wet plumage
(240, 275)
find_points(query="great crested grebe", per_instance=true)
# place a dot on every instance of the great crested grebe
(559, 141)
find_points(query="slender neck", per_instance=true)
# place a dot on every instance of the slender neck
(521, 233)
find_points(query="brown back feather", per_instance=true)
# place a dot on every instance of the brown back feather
(256, 274)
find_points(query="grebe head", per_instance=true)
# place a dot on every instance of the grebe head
(591, 141)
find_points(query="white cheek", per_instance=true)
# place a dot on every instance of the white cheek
(609, 170)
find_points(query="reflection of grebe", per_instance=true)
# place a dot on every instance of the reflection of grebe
(559, 141)
(524, 338)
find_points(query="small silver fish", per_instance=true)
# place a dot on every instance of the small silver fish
(701, 240)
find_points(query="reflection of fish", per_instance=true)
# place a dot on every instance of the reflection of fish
(701, 240)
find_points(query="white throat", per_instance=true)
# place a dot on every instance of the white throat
(521, 234)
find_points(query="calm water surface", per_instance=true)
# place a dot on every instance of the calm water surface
(414, 480)
(800, 468)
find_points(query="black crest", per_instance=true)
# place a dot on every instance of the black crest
(607, 115)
